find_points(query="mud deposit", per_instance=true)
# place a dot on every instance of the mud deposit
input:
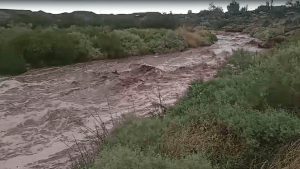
(42, 108)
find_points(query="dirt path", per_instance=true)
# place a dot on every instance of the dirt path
(42, 107)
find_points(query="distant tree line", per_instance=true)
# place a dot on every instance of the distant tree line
(80, 18)
(9, 18)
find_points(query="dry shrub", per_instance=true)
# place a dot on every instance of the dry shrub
(211, 137)
(194, 37)
(201, 32)
(289, 158)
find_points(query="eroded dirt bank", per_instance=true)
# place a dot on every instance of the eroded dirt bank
(42, 107)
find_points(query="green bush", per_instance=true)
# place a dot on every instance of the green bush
(34, 48)
(91, 31)
(7, 34)
(84, 47)
(152, 40)
(132, 43)
(166, 42)
(138, 132)
(266, 23)
(221, 23)
(48, 48)
(173, 40)
(135, 144)
(267, 33)
(11, 59)
(240, 61)
(148, 34)
(294, 38)
(109, 44)
(11, 64)
(212, 37)
(123, 157)
(62, 52)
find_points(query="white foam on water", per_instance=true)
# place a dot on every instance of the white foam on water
(8, 84)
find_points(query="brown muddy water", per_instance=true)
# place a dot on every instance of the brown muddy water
(42, 108)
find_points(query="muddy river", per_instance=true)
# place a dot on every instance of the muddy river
(43, 109)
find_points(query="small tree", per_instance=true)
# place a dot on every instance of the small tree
(244, 9)
(190, 13)
(297, 5)
(268, 4)
(211, 6)
(214, 8)
(233, 7)
(289, 3)
(272, 3)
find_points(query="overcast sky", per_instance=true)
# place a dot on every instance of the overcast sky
(125, 6)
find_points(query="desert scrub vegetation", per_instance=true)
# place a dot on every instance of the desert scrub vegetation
(239, 61)
(11, 64)
(124, 157)
(141, 41)
(218, 24)
(247, 117)
(265, 33)
(23, 47)
(196, 37)
(134, 143)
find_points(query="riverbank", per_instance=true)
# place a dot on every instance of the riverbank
(48, 105)
(246, 117)
(24, 48)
